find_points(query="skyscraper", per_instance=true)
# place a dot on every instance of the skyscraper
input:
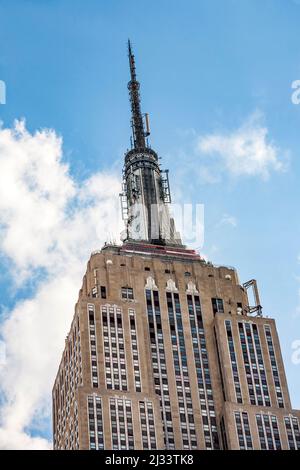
(164, 350)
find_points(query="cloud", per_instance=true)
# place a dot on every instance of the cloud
(49, 225)
(242, 153)
(246, 151)
(297, 278)
(227, 219)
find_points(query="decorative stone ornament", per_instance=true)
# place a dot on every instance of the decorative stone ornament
(171, 286)
(191, 288)
(150, 283)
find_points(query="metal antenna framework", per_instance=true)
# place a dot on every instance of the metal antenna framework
(257, 308)
(135, 101)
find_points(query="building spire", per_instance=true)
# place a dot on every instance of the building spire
(146, 191)
(136, 114)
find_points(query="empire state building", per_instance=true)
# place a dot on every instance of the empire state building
(164, 350)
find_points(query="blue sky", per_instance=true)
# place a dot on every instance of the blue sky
(209, 68)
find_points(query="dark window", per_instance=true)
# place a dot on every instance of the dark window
(103, 292)
(91, 318)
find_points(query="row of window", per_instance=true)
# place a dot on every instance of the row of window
(293, 432)
(203, 373)
(114, 348)
(95, 423)
(147, 425)
(268, 431)
(187, 424)
(100, 292)
(186, 413)
(159, 365)
(135, 351)
(274, 366)
(127, 293)
(121, 423)
(254, 364)
(93, 346)
(243, 430)
(234, 365)
(69, 377)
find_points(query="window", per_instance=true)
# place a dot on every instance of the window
(134, 349)
(121, 423)
(243, 430)
(93, 349)
(147, 269)
(95, 422)
(293, 432)
(147, 424)
(202, 371)
(234, 368)
(113, 342)
(275, 370)
(181, 371)
(254, 364)
(268, 432)
(127, 293)
(217, 305)
(158, 364)
(103, 292)
(94, 291)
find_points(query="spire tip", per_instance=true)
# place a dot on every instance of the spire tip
(137, 118)
(129, 47)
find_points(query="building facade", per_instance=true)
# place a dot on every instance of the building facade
(164, 350)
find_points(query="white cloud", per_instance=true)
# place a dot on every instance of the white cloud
(2, 353)
(247, 151)
(227, 219)
(12, 440)
(297, 310)
(49, 224)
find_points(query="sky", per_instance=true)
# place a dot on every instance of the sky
(217, 80)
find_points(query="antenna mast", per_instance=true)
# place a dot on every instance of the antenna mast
(135, 101)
